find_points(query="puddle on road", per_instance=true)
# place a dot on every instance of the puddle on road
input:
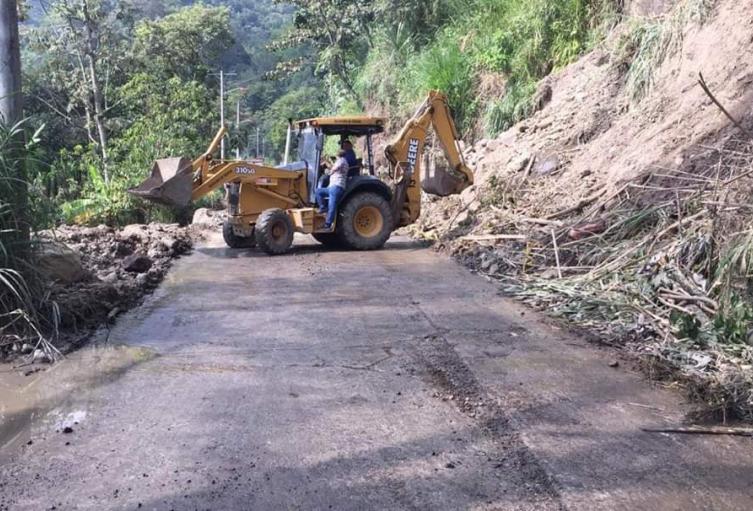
(52, 399)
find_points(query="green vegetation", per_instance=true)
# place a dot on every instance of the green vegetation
(19, 306)
(449, 45)
(119, 84)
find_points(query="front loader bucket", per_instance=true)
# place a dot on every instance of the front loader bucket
(170, 183)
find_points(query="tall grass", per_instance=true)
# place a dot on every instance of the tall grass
(19, 318)
(649, 42)
(443, 66)
(516, 104)
(526, 40)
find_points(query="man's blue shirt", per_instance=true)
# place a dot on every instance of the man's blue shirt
(350, 157)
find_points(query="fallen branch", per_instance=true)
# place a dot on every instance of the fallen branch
(493, 237)
(697, 430)
(675, 225)
(527, 172)
(688, 298)
(737, 124)
(556, 254)
(674, 306)
(580, 205)
(541, 221)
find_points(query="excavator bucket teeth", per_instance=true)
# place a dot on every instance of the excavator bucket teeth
(439, 182)
(170, 183)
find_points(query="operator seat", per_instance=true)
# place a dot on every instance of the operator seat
(355, 170)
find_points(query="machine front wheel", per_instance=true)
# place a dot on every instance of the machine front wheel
(274, 232)
(232, 240)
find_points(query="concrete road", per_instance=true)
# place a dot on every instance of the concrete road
(348, 381)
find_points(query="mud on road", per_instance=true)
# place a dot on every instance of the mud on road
(341, 380)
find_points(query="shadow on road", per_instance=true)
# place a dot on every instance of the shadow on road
(304, 248)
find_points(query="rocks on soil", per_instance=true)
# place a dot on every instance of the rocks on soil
(57, 262)
(206, 217)
(94, 273)
(138, 263)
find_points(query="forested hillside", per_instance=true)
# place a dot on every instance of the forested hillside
(110, 86)
(113, 85)
(486, 55)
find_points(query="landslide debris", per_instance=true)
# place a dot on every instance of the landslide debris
(91, 274)
(624, 203)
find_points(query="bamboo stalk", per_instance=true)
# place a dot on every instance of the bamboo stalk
(556, 254)
(698, 430)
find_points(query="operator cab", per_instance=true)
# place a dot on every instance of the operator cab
(311, 136)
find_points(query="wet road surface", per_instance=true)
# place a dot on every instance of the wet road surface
(340, 380)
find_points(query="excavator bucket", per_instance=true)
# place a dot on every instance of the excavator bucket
(438, 181)
(169, 183)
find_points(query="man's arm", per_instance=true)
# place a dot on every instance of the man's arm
(341, 165)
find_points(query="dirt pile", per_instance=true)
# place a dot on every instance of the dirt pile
(121, 265)
(622, 203)
(94, 273)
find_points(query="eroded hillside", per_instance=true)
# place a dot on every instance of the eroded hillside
(623, 203)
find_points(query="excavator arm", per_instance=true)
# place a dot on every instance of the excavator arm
(405, 154)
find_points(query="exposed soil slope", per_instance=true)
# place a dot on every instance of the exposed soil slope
(641, 181)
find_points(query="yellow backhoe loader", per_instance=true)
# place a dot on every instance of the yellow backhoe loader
(266, 205)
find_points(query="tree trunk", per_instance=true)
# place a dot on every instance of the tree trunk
(99, 114)
(10, 64)
(14, 190)
(86, 102)
(99, 109)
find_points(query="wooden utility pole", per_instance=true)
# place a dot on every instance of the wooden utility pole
(16, 230)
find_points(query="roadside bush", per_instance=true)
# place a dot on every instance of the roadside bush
(443, 66)
(393, 47)
(18, 302)
(528, 40)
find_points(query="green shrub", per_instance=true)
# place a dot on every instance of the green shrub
(444, 67)
(101, 202)
(514, 106)
(523, 40)
(526, 40)
(18, 303)
(392, 48)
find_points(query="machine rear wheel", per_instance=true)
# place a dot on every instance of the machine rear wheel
(233, 240)
(274, 231)
(365, 221)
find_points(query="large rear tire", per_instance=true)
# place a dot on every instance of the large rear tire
(232, 240)
(274, 231)
(365, 221)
